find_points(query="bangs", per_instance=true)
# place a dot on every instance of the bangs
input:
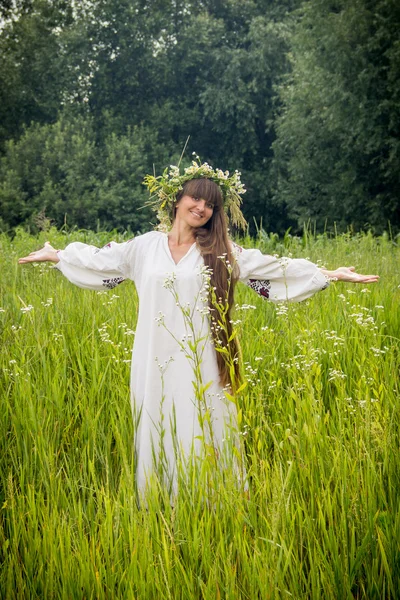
(205, 189)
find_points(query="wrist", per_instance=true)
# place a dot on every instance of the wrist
(331, 275)
(54, 256)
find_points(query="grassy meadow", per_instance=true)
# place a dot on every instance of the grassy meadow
(319, 418)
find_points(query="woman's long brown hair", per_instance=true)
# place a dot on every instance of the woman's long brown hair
(216, 250)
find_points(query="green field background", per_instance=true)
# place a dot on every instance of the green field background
(319, 420)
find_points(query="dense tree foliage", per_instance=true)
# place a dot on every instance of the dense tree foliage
(338, 146)
(302, 97)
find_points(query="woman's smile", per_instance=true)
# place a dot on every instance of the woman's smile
(197, 214)
(200, 210)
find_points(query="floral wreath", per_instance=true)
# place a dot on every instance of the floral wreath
(164, 189)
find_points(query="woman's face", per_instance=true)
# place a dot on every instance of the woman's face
(196, 212)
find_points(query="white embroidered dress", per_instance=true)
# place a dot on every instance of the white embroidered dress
(172, 336)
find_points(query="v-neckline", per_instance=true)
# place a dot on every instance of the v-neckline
(170, 253)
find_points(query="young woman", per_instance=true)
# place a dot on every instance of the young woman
(185, 356)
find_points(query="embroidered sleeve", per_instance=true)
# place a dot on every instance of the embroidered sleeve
(279, 279)
(98, 268)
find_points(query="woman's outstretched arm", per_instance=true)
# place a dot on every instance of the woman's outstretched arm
(282, 279)
(90, 267)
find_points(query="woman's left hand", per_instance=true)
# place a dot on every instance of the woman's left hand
(348, 274)
(47, 253)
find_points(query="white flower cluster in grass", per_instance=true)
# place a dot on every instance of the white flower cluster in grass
(332, 335)
(281, 310)
(43, 268)
(163, 366)
(48, 302)
(302, 362)
(245, 307)
(338, 342)
(245, 430)
(111, 300)
(160, 318)
(251, 374)
(203, 310)
(235, 322)
(379, 351)
(186, 338)
(267, 329)
(284, 261)
(363, 317)
(15, 373)
(336, 374)
(26, 309)
(368, 380)
(224, 259)
(169, 281)
(126, 330)
(105, 337)
(352, 405)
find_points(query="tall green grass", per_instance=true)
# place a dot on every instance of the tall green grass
(320, 425)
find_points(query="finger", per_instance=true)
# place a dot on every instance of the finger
(30, 258)
(27, 259)
(360, 275)
(369, 279)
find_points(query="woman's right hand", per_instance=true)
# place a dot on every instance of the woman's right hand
(47, 253)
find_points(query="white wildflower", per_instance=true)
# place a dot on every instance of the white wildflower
(48, 302)
(336, 374)
(245, 307)
(26, 309)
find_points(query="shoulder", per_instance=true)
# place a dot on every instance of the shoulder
(147, 239)
(150, 236)
(235, 249)
(149, 243)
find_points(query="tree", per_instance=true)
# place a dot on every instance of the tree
(338, 147)
(33, 76)
(60, 171)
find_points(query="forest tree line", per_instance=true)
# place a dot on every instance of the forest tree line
(303, 97)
